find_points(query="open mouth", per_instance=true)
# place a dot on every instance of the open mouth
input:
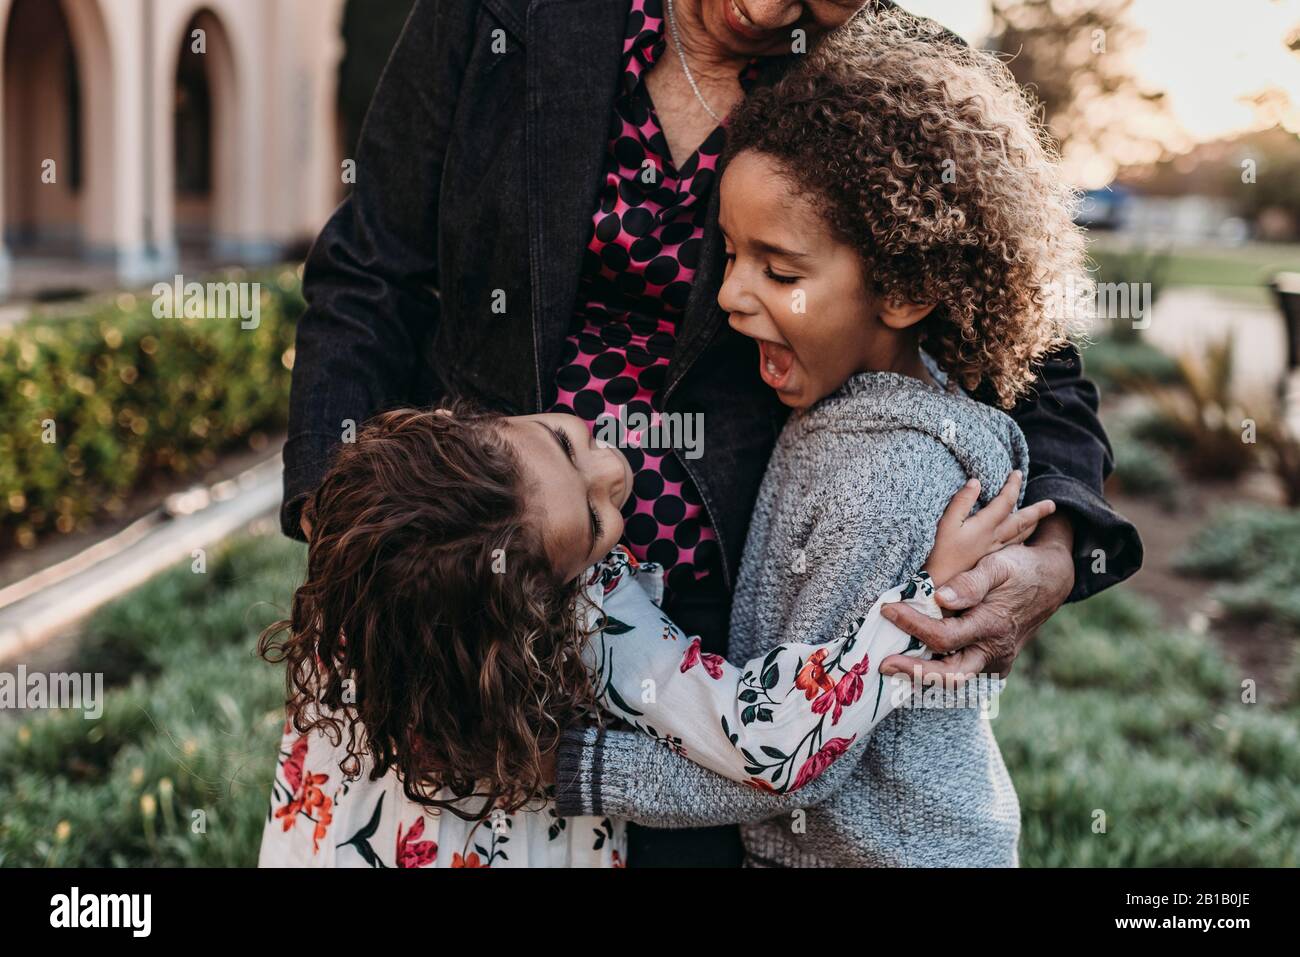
(740, 23)
(774, 363)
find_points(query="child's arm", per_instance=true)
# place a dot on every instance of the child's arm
(630, 775)
(778, 720)
(761, 722)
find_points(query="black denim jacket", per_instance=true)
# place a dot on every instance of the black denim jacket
(477, 173)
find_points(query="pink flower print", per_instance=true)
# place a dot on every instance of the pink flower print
(819, 762)
(849, 688)
(411, 851)
(712, 663)
(823, 704)
(844, 693)
(292, 766)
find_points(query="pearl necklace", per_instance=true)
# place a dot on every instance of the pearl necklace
(681, 55)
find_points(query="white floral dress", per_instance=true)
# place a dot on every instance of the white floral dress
(764, 723)
(318, 818)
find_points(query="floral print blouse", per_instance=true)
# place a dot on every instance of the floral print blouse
(775, 723)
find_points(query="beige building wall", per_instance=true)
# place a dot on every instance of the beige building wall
(271, 68)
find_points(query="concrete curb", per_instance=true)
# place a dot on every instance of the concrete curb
(48, 602)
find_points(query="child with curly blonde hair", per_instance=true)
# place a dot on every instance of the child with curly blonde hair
(897, 230)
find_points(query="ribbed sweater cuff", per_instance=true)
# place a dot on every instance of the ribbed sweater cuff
(578, 767)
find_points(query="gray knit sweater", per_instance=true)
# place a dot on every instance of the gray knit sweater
(847, 509)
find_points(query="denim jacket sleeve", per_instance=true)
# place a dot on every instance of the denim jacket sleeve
(1069, 460)
(371, 279)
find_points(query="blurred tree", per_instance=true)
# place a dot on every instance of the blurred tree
(1259, 172)
(1263, 179)
(370, 29)
(1075, 56)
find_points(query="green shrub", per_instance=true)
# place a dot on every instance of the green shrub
(131, 397)
(1254, 553)
(1143, 468)
(1130, 746)
(1119, 365)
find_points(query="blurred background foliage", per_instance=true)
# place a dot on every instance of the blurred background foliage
(134, 399)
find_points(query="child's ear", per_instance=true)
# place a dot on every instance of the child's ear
(900, 315)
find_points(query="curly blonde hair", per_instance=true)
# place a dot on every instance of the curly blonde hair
(405, 642)
(927, 157)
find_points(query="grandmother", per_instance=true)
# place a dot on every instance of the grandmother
(534, 227)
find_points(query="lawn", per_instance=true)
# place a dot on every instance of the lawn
(1117, 721)
(1110, 720)
(1239, 272)
(190, 725)
(1250, 264)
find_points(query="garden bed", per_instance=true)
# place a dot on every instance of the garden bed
(1110, 710)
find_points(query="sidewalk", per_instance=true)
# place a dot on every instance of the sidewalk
(46, 603)
(1188, 319)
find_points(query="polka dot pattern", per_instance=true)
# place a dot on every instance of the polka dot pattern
(641, 258)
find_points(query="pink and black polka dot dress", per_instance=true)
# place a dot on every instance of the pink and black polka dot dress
(640, 260)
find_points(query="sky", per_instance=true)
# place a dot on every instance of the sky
(1205, 54)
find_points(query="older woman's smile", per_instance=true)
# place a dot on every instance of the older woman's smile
(738, 21)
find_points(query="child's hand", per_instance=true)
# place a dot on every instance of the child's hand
(963, 539)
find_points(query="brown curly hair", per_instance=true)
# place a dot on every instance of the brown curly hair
(431, 632)
(926, 157)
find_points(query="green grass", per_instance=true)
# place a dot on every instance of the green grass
(1253, 552)
(1112, 717)
(1252, 264)
(1108, 711)
(191, 725)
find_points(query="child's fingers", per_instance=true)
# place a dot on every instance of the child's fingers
(959, 508)
(1020, 525)
(995, 512)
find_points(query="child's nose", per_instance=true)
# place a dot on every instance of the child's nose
(731, 297)
(612, 472)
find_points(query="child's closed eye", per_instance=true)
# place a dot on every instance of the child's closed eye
(777, 277)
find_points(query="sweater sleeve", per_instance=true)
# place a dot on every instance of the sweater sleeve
(873, 530)
(1070, 458)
